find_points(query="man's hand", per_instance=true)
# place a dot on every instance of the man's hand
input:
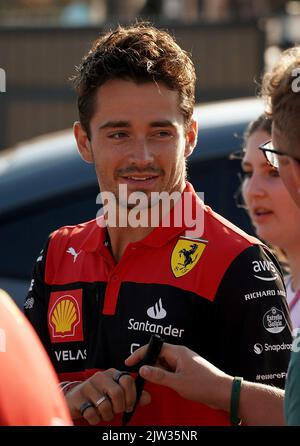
(120, 396)
(190, 375)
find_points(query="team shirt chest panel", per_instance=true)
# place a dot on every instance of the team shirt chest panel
(142, 309)
(167, 289)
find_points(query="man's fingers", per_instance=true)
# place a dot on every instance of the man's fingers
(157, 375)
(136, 356)
(169, 355)
(127, 383)
(104, 408)
(145, 398)
(90, 414)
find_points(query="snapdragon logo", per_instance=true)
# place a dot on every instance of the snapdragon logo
(2, 341)
(2, 81)
(258, 349)
(139, 209)
(296, 81)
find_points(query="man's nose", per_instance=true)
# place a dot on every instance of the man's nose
(141, 152)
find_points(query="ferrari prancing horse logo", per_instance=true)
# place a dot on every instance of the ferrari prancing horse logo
(186, 254)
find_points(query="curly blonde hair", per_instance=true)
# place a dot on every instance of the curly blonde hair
(281, 90)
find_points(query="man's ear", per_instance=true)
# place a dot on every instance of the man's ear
(83, 143)
(191, 138)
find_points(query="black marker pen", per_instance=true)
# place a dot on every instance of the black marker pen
(153, 350)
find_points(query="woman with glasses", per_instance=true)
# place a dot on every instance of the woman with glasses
(273, 212)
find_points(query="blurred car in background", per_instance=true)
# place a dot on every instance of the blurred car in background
(44, 184)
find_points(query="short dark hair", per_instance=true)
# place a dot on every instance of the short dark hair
(141, 53)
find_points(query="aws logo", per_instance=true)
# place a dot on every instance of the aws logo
(264, 270)
(65, 316)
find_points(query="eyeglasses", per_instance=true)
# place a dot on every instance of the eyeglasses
(272, 155)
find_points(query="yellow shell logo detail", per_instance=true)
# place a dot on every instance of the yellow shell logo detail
(64, 316)
(186, 255)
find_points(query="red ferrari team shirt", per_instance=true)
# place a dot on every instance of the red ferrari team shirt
(219, 292)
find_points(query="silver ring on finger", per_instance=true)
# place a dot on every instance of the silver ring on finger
(101, 400)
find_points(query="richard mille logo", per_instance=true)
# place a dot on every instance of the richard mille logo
(157, 311)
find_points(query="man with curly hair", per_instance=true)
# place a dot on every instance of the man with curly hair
(102, 288)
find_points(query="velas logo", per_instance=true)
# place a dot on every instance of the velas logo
(186, 254)
(65, 316)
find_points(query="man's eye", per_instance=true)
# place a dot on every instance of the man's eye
(117, 135)
(163, 133)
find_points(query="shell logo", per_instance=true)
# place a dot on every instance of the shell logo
(64, 316)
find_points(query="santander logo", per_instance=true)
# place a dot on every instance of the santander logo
(157, 311)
